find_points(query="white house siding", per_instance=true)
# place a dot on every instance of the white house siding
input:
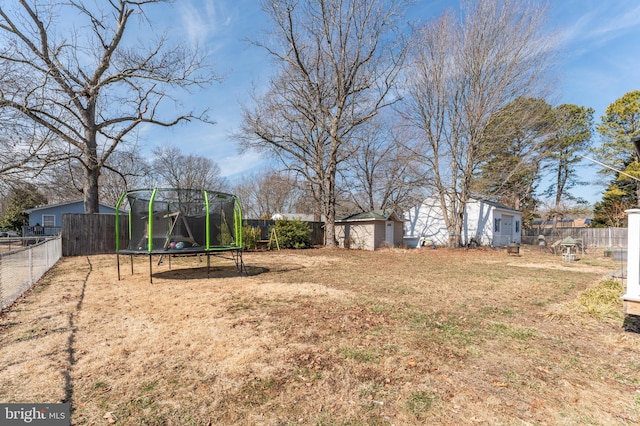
(479, 221)
(426, 220)
(487, 223)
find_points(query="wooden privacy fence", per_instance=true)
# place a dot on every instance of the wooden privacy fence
(87, 234)
(591, 237)
(317, 229)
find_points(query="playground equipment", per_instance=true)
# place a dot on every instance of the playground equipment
(181, 222)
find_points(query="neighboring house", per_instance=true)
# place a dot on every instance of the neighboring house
(304, 217)
(47, 219)
(370, 230)
(578, 222)
(489, 223)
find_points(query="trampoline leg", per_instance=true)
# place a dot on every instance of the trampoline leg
(150, 269)
(237, 258)
(208, 264)
(118, 257)
(131, 260)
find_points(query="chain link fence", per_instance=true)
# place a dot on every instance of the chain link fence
(20, 269)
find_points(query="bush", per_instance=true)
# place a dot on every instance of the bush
(250, 237)
(293, 234)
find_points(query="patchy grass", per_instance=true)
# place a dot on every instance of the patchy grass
(360, 354)
(419, 403)
(521, 333)
(601, 301)
(327, 337)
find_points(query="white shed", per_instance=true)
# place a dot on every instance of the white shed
(490, 223)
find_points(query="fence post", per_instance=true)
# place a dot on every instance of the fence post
(610, 238)
(30, 251)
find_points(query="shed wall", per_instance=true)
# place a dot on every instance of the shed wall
(367, 235)
(379, 235)
(356, 235)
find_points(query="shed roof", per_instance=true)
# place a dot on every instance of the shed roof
(372, 216)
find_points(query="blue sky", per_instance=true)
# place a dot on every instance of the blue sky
(599, 62)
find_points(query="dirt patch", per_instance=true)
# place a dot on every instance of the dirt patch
(323, 337)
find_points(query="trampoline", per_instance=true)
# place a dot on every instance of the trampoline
(181, 222)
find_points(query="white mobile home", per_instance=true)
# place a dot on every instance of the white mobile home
(489, 223)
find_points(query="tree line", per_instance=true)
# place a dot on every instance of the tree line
(362, 111)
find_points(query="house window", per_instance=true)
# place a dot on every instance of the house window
(496, 225)
(517, 226)
(48, 220)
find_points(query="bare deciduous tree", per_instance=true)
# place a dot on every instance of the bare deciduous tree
(20, 147)
(172, 169)
(381, 174)
(89, 84)
(463, 70)
(264, 194)
(125, 170)
(338, 61)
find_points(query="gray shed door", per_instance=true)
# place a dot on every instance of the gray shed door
(507, 225)
(388, 232)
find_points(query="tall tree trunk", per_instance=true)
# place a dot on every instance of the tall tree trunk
(90, 190)
(330, 206)
(457, 241)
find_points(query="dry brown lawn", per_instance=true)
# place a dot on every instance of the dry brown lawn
(324, 337)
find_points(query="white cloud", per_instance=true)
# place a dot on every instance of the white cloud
(241, 163)
(200, 20)
(601, 24)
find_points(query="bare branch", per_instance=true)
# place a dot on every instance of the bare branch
(338, 61)
(86, 86)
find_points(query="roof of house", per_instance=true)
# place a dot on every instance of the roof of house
(495, 204)
(66, 203)
(432, 201)
(372, 215)
(296, 216)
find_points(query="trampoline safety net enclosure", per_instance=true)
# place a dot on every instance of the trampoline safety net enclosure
(181, 222)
